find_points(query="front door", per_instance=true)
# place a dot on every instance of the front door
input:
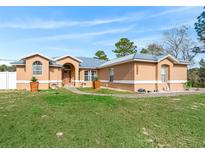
(165, 77)
(66, 77)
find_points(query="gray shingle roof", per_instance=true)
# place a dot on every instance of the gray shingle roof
(146, 57)
(90, 62)
(138, 56)
(20, 62)
(96, 63)
(53, 63)
(118, 60)
(86, 62)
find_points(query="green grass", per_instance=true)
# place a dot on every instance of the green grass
(33, 119)
(103, 91)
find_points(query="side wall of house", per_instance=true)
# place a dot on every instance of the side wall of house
(145, 76)
(179, 77)
(148, 76)
(123, 76)
(21, 77)
(55, 76)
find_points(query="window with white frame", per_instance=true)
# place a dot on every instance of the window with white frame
(93, 75)
(111, 74)
(86, 75)
(37, 68)
(164, 73)
(89, 75)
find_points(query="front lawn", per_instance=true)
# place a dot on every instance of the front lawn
(62, 119)
(103, 91)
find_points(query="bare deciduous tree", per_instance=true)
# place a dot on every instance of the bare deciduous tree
(178, 43)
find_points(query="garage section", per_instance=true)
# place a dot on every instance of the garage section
(7, 80)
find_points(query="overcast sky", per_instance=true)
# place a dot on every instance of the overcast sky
(81, 31)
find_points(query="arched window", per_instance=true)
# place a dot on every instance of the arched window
(37, 68)
(164, 73)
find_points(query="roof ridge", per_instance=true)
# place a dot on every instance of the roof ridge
(123, 57)
(85, 57)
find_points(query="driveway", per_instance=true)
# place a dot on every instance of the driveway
(137, 95)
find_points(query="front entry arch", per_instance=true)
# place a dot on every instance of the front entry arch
(68, 74)
(165, 76)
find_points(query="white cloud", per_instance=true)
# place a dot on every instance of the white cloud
(157, 38)
(173, 11)
(105, 21)
(51, 24)
(36, 24)
(82, 35)
(64, 50)
(188, 23)
(105, 42)
(142, 42)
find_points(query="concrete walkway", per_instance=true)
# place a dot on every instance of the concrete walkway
(162, 94)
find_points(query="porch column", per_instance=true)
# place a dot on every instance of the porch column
(158, 75)
(76, 77)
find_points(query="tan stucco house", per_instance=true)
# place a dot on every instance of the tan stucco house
(130, 72)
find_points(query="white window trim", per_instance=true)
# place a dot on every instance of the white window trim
(90, 75)
(164, 73)
(41, 69)
(93, 76)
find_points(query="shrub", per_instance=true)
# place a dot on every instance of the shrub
(96, 78)
(189, 84)
(34, 79)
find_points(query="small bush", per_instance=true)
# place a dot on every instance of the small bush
(34, 79)
(96, 78)
(189, 84)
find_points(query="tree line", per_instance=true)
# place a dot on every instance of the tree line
(176, 42)
(196, 76)
(5, 68)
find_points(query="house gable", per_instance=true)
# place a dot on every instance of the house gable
(170, 57)
(166, 61)
(45, 64)
(67, 56)
(67, 60)
(36, 54)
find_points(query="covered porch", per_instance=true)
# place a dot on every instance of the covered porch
(70, 70)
